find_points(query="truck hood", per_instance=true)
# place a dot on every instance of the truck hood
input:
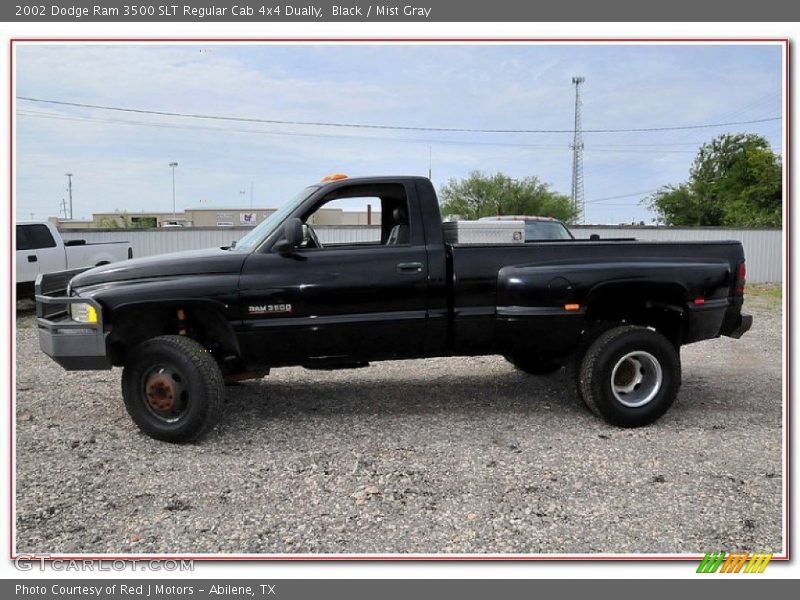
(194, 262)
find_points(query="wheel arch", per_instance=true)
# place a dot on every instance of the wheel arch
(203, 320)
(655, 304)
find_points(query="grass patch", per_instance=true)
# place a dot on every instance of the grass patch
(764, 294)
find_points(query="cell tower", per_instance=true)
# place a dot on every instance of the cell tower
(577, 155)
(69, 187)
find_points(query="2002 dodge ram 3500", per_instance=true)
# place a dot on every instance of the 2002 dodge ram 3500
(182, 325)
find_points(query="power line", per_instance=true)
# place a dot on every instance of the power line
(164, 113)
(628, 195)
(606, 148)
(596, 200)
(611, 204)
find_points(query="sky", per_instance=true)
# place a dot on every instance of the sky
(120, 160)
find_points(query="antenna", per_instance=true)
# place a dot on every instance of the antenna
(577, 155)
(430, 162)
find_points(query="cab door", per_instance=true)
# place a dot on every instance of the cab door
(348, 301)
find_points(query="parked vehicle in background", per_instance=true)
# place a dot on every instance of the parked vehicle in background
(181, 325)
(40, 249)
(537, 228)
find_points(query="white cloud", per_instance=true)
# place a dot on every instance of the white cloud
(526, 86)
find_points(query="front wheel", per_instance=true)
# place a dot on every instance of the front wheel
(173, 389)
(630, 376)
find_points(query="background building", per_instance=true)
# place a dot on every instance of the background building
(211, 217)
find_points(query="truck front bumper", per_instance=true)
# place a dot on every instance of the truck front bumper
(73, 345)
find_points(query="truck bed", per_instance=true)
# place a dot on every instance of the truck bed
(521, 288)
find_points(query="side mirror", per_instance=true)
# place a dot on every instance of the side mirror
(292, 235)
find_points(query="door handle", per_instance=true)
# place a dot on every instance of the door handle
(409, 267)
(32, 258)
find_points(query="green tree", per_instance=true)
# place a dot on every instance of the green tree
(122, 220)
(481, 195)
(735, 181)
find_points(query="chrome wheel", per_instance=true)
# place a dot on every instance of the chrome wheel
(636, 379)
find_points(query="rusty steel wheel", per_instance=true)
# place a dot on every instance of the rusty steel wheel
(173, 388)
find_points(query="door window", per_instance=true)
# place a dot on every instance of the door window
(358, 217)
(33, 237)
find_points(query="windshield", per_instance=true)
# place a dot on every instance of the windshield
(268, 225)
(546, 230)
(536, 228)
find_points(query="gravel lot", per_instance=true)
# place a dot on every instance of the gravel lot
(437, 456)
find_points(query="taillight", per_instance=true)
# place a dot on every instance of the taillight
(741, 278)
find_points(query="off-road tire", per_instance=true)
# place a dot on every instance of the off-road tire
(201, 388)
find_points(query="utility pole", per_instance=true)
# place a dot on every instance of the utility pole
(63, 207)
(577, 155)
(69, 187)
(251, 195)
(173, 164)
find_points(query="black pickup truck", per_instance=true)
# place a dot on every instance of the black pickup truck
(182, 325)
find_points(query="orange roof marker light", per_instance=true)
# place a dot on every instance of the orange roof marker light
(572, 307)
(334, 177)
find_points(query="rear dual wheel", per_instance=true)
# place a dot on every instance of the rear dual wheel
(629, 375)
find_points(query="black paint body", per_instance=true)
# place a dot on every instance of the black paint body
(353, 304)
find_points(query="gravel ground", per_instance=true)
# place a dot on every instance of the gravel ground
(437, 456)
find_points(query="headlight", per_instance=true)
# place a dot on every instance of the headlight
(83, 313)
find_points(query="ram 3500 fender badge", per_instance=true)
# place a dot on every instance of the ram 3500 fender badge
(266, 309)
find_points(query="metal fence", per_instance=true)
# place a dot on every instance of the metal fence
(763, 247)
(148, 242)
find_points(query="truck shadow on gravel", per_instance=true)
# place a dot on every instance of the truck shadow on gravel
(25, 308)
(548, 400)
(474, 394)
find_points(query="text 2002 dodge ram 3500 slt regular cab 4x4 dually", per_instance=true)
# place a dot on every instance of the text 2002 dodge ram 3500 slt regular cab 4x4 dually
(183, 324)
